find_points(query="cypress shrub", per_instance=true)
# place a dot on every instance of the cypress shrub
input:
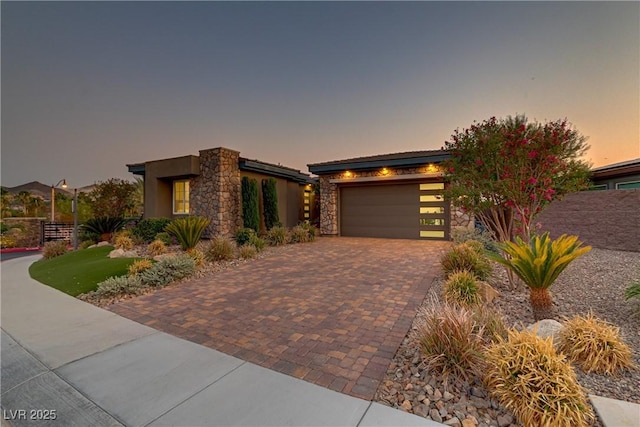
(250, 204)
(270, 198)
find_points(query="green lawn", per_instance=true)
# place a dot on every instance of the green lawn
(80, 271)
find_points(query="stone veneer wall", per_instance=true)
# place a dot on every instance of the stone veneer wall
(329, 198)
(27, 235)
(606, 219)
(215, 193)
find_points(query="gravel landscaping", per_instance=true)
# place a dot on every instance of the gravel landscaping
(594, 282)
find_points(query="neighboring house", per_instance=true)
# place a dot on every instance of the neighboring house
(392, 195)
(617, 176)
(209, 185)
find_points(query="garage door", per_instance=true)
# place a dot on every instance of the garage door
(400, 211)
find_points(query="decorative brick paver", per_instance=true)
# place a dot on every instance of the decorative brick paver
(332, 312)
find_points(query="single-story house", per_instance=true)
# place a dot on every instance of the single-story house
(209, 185)
(396, 195)
(617, 176)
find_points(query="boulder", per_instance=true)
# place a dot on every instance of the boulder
(121, 253)
(546, 328)
(487, 292)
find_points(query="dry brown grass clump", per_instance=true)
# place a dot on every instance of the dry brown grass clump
(139, 266)
(594, 345)
(157, 247)
(451, 340)
(123, 241)
(527, 376)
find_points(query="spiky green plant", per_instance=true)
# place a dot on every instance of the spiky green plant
(188, 230)
(103, 226)
(539, 263)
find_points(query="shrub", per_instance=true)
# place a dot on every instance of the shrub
(248, 251)
(103, 226)
(491, 321)
(148, 228)
(464, 234)
(270, 202)
(85, 244)
(197, 256)
(311, 230)
(123, 242)
(451, 340)
(54, 249)
(250, 203)
(119, 285)
(594, 345)
(277, 236)
(220, 249)
(539, 263)
(527, 376)
(139, 266)
(633, 291)
(168, 270)
(188, 230)
(244, 235)
(465, 257)
(7, 242)
(157, 247)
(164, 237)
(461, 288)
(299, 234)
(257, 242)
(3, 228)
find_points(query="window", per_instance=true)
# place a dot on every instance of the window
(627, 185)
(181, 197)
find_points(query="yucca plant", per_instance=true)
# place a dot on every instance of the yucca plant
(539, 263)
(188, 230)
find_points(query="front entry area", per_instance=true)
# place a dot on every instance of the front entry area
(414, 210)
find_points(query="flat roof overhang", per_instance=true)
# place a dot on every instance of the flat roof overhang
(275, 171)
(355, 165)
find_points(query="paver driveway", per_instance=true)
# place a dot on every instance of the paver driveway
(332, 312)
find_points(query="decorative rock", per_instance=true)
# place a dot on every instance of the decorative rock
(408, 387)
(437, 394)
(487, 292)
(546, 328)
(429, 389)
(422, 397)
(422, 410)
(504, 420)
(406, 405)
(435, 415)
(447, 396)
(478, 392)
(453, 422)
(470, 421)
(100, 244)
(121, 253)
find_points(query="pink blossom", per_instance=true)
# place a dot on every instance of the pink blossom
(532, 180)
(479, 162)
(532, 154)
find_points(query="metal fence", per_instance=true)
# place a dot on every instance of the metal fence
(50, 231)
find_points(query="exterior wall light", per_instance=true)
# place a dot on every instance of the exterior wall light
(385, 171)
(348, 174)
(431, 168)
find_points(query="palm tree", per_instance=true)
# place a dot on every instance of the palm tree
(539, 263)
(24, 197)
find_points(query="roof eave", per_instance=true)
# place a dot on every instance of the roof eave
(327, 168)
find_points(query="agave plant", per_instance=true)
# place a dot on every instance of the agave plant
(539, 263)
(188, 230)
(104, 226)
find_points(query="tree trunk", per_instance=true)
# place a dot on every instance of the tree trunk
(541, 303)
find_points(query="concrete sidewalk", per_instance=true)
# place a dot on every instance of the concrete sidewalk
(68, 363)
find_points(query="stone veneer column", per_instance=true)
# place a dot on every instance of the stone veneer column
(328, 207)
(215, 193)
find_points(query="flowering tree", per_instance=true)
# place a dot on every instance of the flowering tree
(506, 171)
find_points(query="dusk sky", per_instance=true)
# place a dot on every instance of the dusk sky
(88, 87)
